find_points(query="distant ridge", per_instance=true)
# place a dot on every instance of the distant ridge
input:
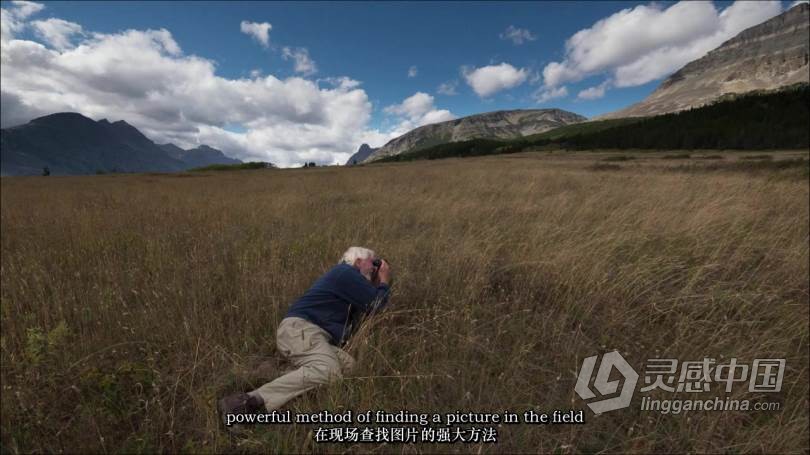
(69, 143)
(490, 125)
(198, 157)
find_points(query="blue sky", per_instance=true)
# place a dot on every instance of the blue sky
(295, 82)
(375, 43)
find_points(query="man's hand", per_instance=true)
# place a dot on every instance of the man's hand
(384, 273)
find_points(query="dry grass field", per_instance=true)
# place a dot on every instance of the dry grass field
(130, 303)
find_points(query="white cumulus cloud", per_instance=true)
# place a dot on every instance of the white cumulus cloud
(595, 92)
(545, 94)
(488, 80)
(647, 42)
(414, 106)
(260, 31)
(144, 78)
(518, 36)
(12, 19)
(415, 111)
(343, 82)
(303, 63)
(57, 32)
(23, 9)
(448, 88)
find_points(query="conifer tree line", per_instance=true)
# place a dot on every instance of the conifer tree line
(755, 121)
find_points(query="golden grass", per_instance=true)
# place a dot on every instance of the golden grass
(129, 301)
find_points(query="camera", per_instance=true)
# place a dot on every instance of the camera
(376, 263)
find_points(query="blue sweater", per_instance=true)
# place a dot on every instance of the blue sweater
(338, 301)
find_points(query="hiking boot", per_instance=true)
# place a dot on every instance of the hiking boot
(239, 403)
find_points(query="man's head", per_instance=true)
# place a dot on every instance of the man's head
(361, 258)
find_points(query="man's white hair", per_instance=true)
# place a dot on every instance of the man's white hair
(356, 252)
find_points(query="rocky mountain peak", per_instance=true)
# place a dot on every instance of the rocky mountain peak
(360, 155)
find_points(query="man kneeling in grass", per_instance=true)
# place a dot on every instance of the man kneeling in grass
(315, 328)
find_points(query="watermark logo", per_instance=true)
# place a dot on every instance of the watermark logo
(687, 378)
(604, 385)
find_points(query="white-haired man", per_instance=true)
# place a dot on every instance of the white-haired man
(315, 329)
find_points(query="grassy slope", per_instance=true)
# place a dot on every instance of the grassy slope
(129, 301)
(581, 128)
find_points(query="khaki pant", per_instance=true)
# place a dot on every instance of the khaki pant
(316, 360)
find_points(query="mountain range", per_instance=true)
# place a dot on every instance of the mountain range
(767, 56)
(70, 143)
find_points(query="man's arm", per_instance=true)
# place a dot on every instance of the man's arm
(362, 294)
(383, 278)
